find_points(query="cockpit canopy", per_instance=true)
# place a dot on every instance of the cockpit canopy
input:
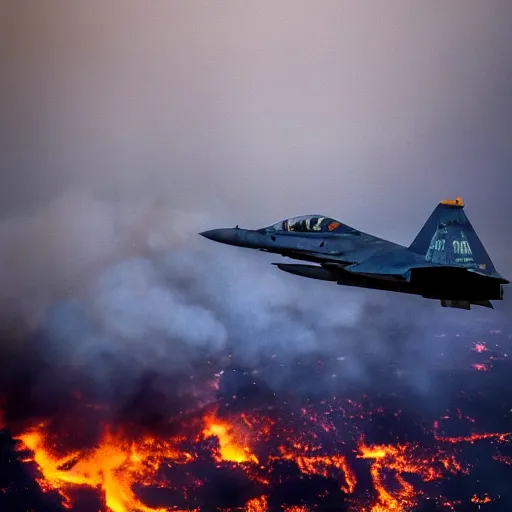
(309, 224)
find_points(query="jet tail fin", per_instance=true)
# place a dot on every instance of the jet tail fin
(448, 238)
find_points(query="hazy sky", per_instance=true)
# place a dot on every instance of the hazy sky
(244, 112)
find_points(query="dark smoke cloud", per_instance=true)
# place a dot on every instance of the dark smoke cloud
(131, 127)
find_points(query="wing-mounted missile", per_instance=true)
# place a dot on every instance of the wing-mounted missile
(311, 271)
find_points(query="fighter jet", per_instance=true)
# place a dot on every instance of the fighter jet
(445, 262)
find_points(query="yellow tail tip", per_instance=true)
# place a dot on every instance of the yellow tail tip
(458, 201)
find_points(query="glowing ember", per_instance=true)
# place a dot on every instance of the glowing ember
(504, 459)
(474, 438)
(257, 505)
(479, 347)
(481, 500)
(480, 367)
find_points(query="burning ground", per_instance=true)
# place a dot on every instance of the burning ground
(226, 441)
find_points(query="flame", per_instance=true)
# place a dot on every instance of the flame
(232, 447)
(121, 460)
(481, 501)
(113, 466)
(402, 459)
(318, 465)
(257, 505)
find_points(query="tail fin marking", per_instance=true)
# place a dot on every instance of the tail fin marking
(448, 238)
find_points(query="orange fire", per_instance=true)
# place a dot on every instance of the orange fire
(481, 501)
(403, 459)
(113, 466)
(233, 442)
(117, 463)
(316, 464)
(257, 505)
(120, 461)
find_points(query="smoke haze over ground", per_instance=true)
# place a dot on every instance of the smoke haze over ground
(131, 126)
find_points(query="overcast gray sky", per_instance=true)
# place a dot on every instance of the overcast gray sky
(245, 112)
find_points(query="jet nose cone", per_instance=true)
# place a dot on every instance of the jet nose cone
(225, 236)
(211, 234)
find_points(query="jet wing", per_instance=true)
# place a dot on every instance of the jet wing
(389, 263)
(400, 265)
(342, 258)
